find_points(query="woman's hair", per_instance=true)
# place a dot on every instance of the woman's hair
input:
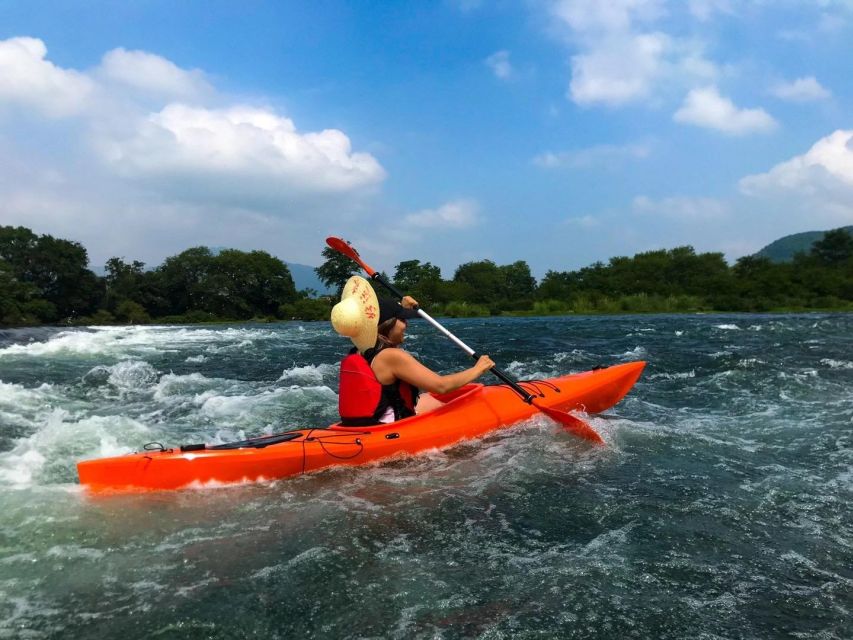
(385, 328)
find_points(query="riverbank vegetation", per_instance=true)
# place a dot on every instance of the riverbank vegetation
(46, 280)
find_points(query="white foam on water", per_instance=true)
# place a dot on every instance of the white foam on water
(674, 376)
(312, 555)
(727, 327)
(190, 384)
(219, 406)
(837, 364)
(22, 610)
(196, 359)
(147, 339)
(531, 370)
(60, 441)
(94, 341)
(70, 552)
(130, 375)
(310, 374)
(573, 356)
(720, 354)
(188, 590)
(609, 542)
(27, 407)
(12, 394)
(636, 352)
(517, 368)
(748, 363)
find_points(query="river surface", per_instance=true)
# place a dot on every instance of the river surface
(720, 507)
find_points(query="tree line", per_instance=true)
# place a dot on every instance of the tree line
(666, 280)
(46, 280)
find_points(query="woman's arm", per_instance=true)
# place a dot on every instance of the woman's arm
(396, 364)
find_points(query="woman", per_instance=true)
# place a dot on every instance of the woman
(380, 382)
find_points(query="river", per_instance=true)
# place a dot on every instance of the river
(720, 507)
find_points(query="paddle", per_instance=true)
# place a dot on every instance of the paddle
(570, 422)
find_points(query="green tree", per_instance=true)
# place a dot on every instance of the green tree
(410, 274)
(124, 281)
(15, 298)
(183, 281)
(761, 285)
(482, 281)
(232, 284)
(421, 281)
(335, 270)
(518, 282)
(556, 285)
(58, 269)
(835, 248)
(261, 280)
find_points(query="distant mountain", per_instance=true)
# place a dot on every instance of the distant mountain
(783, 249)
(304, 277)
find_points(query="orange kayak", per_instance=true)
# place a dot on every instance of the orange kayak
(469, 412)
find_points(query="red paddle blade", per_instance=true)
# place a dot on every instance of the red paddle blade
(345, 248)
(571, 423)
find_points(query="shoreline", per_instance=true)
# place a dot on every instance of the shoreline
(508, 314)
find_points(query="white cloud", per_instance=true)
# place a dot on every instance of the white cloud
(247, 155)
(457, 214)
(152, 74)
(806, 89)
(705, 107)
(500, 65)
(621, 70)
(584, 222)
(816, 186)
(30, 81)
(128, 167)
(682, 208)
(239, 150)
(704, 9)
(584, 16)
(620, 58)
(600, 155)
(829, 160)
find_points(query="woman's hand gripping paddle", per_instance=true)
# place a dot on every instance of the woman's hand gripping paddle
(570, 422)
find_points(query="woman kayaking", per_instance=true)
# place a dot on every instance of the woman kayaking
(380, 382)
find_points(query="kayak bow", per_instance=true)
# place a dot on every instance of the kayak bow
(468, 412)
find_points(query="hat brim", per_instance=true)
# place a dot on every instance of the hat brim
(356, 316)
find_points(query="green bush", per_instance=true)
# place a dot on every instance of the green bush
(457, 309)
(101, 316)
(191, 317)
(132, 313)
(550, 308)
(306, 309)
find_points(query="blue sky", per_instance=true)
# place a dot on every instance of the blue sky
(558, 132)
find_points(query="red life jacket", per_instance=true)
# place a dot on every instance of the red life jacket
(363, 399)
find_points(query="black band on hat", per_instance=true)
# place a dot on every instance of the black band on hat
(392, 309)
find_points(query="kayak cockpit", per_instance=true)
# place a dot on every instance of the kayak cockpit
(446, 402)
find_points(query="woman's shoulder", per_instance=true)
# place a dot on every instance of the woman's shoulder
(393, 359)
(390, 355)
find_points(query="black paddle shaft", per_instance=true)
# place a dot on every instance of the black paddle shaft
(528, 398)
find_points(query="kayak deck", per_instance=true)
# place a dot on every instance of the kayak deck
(469, 412)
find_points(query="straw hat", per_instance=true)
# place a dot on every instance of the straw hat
(356, 316)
